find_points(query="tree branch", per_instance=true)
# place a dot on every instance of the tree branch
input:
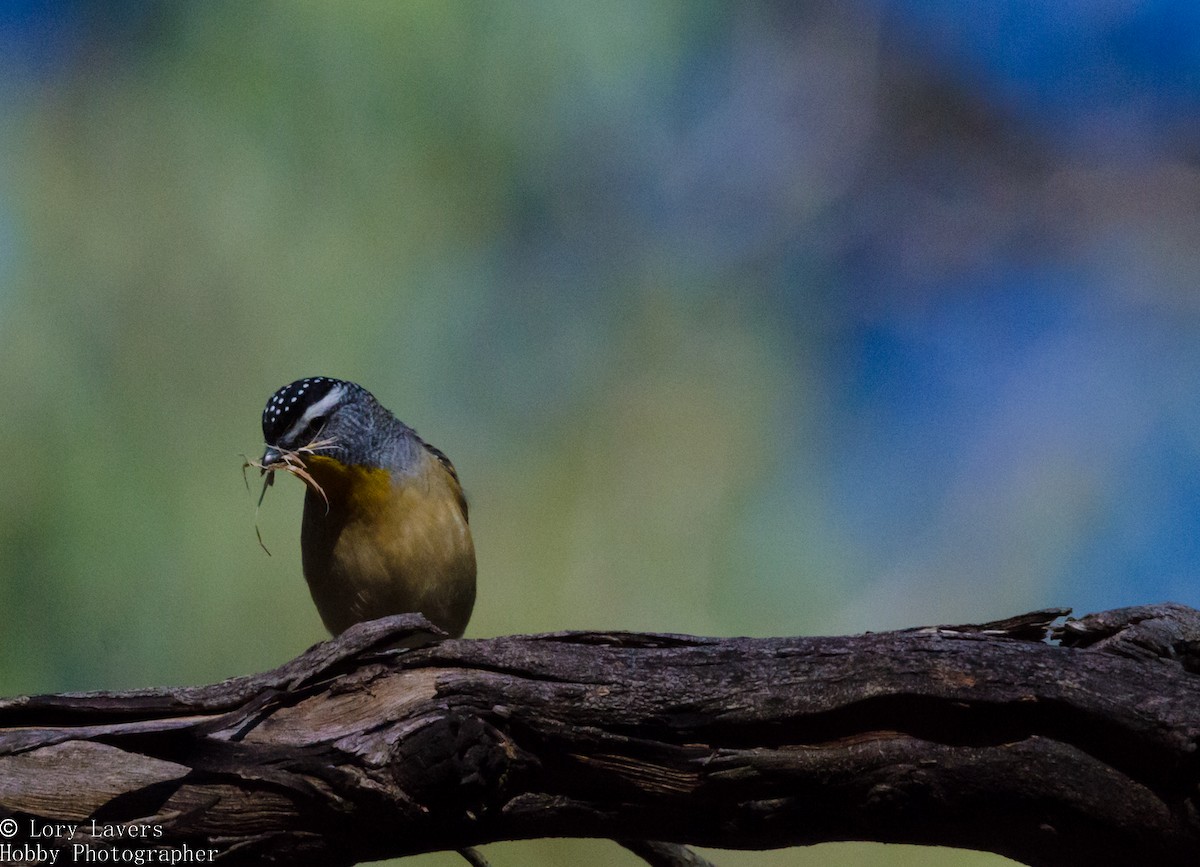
(970, 736)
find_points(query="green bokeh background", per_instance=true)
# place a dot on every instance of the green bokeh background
(435, 200)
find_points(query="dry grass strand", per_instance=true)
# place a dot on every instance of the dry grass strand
(289, 462)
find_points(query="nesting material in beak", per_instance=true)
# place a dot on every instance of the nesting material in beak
(292, 462)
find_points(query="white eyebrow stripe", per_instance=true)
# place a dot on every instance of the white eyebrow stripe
(317, 409)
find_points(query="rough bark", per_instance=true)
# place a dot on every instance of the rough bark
(1080, 749)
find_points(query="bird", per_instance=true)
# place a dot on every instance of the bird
(384, 529)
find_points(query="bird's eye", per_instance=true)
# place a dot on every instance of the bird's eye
(317, 423)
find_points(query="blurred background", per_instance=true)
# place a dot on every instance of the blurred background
(736, 318)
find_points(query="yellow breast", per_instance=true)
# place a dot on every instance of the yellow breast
(387, 544)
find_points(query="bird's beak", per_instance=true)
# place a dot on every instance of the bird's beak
(271, 457)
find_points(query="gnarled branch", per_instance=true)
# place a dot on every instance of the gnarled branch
(985, 737)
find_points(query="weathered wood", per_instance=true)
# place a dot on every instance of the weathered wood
(956, 736)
